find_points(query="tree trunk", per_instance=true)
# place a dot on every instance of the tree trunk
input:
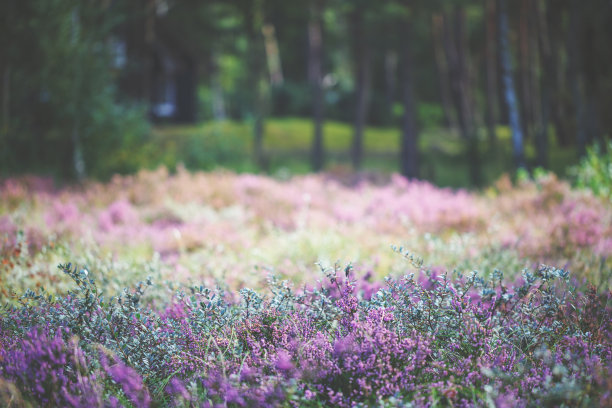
(146, 52)
(6, 97)
(272, 54)
(218, 100)
(361, 55)
(594, 74)
(77, 153)
(457, 54)
(575, 77)
(491, 71)
(315, 54)
(545, 84)
(557, 86)
(77, 147)
(409, 165)
(467, 101)
(6, 152)
(510, 92)
(257, 79)
(525, 94)
(390, 83)
(443, 69)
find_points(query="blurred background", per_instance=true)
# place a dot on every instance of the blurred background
(454, 92)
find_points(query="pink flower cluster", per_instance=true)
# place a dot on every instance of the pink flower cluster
(191, 218)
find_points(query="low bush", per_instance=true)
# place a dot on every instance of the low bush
(420, 340)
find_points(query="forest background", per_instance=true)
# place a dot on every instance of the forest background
(455, 92)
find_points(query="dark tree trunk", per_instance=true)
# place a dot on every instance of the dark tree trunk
(361, 55)
(501, 95)
(139, 37)
(6, 98)
(545, 84)
(594, 73)
(218, 99)
(457, 52)
(575, 75)
(5, 80)
(390, 83)
(7, 154)
(491, 72)
(257, 80)
(146, 53)
(442, 68)
(510, 92)
(525, 93)
(78, 159)
(409, 164)
(272, 54)
(315, 56)
(555, 75)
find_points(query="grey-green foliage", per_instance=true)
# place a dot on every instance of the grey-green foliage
(58, 87)
(120, 324)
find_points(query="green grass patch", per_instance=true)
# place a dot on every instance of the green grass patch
(297, 134)
(287, 143)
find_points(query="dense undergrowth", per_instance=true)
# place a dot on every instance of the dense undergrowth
(486, 323)
(417, 340)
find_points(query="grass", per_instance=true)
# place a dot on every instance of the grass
(287, 142)
(296, 134)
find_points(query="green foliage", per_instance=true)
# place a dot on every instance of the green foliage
(287, 144)
(430, 115)
(202, 147)
(595, 171)
(60, 90)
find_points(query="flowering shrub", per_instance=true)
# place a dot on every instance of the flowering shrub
(465, 341)
(206, 226)
(202, 337)
(49, 370)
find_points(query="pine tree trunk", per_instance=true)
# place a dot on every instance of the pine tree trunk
(272, 54)
(218, 100)
(146, 52)
(443, 69)
(77, 146)
(457, 55)
(525, 93)
(594, 74)
(6, 98)
(409, 165)
(556, 75)
(491, 71)
(390, 83)
(361, 55)
(257, 79)
(545, 84)
(510, 92)
(575, 77)
(315, 54)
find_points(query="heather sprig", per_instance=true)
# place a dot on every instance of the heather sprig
(47, 370)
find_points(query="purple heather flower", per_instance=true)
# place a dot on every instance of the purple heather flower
(283, 361)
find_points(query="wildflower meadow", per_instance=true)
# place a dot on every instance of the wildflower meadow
(239, 290)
